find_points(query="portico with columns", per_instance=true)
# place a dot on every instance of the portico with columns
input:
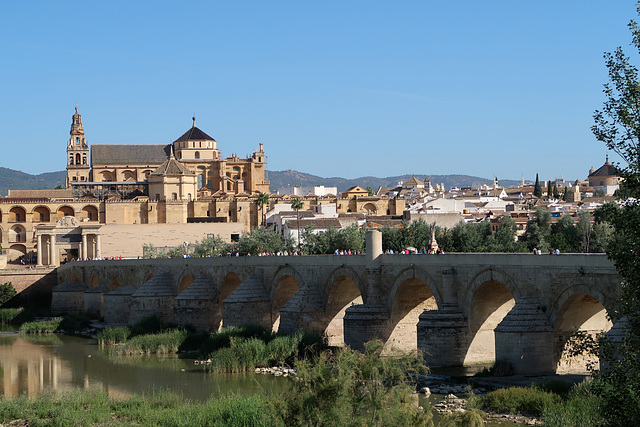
(70, 236)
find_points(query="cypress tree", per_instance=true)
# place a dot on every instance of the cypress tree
(537, 190)
(549, 189)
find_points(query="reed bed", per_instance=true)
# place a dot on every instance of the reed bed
(44, 327)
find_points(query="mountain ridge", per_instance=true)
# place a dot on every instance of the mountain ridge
(16, 180)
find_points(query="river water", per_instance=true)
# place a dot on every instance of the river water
(33, 364)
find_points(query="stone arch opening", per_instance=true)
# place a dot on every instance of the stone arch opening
(74, 277)
(411, 298)
(343, 293)
(149, 277)
(129, 176)
(90, 213)
(579, 312)
(41, 214)
(491, 302)
(17, 251)
(370, 208)
(17, 234)
(116, 283)
(65, 211)
(95, 282)
(286, 287)
(185, 283)
(229, 283)
(106, 176)
(17, 214)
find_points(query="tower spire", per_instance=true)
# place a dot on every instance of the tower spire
(194, 121)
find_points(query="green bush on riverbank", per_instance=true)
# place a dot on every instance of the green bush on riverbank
(8, 315)
(44, 327)
(553, 403)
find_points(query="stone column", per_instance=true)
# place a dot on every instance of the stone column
(524, 339)
(53, 256)
(40, 250)
(97, 250)
(83, 249)
(374, 245)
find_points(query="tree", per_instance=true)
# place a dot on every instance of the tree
(556, 193)
(564, 194)
(537, 190)
(7, 291)
(617, 125)
(296, 205)
(261, 201)
(369, 190)
(549, 189)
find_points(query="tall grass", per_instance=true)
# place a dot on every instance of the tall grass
(45, 327)
(113, 335)
(581, 408)
(160, 409)
(7, 315)
(168, 341)
(529, 401)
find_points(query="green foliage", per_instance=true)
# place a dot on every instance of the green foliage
(529, 401)
(7, 291)
(326, 242)
(538, 231)
(158, 409)
(262, 240)
(537, 189)
(580, 408)
(45, 327)
(8, 315)
(113, 335)
(168, 341)
(353, 388)
(468, 237)
(549, 189)
(470, 418)
(261, 201)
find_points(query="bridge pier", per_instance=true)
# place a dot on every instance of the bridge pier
(366, 322)
(524, 339)
(248, 304)
(442, 337)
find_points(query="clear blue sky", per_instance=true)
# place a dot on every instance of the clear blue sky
(332, 88)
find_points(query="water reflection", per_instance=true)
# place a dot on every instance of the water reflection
(34, 364)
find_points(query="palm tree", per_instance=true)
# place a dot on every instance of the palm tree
(296, 205)
(261, 201)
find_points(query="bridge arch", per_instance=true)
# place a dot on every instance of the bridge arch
(413, 292)
(490, 296)
(95, 282)
(343, 288)
(286, 282)
(116, 283)
(578, 308)
(185, 281)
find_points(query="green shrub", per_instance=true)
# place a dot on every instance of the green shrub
(148, 325)
(559, 387)
(165, 342)
(113, 335)
(7, 291)
(352, 388)
(516, 400)
(45, 327)
(8, 315)
(470, 418)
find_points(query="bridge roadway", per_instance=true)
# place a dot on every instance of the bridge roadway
(458, 309)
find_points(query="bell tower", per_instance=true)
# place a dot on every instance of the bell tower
(78, 166)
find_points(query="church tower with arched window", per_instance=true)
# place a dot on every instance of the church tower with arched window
(78, 164)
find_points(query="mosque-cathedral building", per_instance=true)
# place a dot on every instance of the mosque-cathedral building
(120, 197)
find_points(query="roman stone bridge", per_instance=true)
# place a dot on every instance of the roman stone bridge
(456, 308)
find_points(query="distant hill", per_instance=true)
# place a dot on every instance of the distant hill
(291, 178)
(16, 180)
